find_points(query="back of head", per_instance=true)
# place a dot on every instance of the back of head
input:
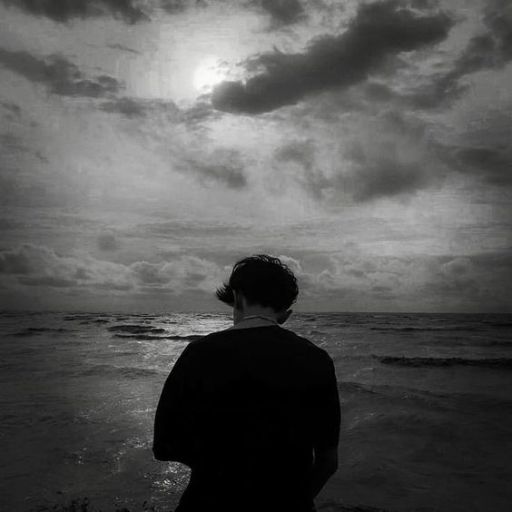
(263, 280)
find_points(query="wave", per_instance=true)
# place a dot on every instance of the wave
(137, 329)
(34, 331)
(124, 371)
(499, 324)
(350, 391)
(464, 341)
(445, 362)
(496, 343)
(148, 337)
(427, 329)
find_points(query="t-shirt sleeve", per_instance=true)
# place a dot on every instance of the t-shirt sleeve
(327, 410)
(171, 439)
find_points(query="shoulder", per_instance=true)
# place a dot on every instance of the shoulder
(206, 343)
(217, 342)
(307, 344)
(305, 349)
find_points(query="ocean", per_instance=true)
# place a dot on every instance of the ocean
(426, 409)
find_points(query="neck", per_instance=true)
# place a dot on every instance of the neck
(260, 318)
(253, 321)
(255, 314)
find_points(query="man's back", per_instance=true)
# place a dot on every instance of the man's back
(245, 409)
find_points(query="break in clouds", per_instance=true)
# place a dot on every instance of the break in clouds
(367, 142)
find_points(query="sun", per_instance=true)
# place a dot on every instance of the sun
(209, 72)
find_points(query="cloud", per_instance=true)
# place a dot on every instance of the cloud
(483, 149)
(128, 107)
(378, 156)
(300, 152)
(177, 6)
(107, 242)
(493, 165)
(379, 30)
(137, 108)
(123, 48)
(498, 17)
(356, 281)
(351, 280)
(183, 273)
(62, 11)
(221, 165)
(58, 74)
(35, 265)
(282, 12)
(11, 107)
(384, 178)
(480, 279)
(489, 49)
(12, 143)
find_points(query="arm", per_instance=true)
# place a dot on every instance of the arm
(324, 466)
(170, 439)
(327, 419)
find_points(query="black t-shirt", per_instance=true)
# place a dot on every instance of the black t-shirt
(245, 409)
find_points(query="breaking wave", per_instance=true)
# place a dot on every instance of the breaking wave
(445, 362)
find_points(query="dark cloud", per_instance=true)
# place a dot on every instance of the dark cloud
(40, 266)
(480, 278)
(282, 12)
(222, 166)
(493, 165)
(489, 49)
(498, 17)
(386, 156)
(128, 107)
(199, 112)
(64, 10)
(58, 74)
(12, 143)
(483, 149)
(140, 107)
(15, 262)
(384, 178)
(11, 107)
(148, 111)
(378, 31)
(150, 273)
(51, 281)
(366, 181)
(183, 273)
(37, 265)
(176, 6)
(107, 242)
(299, 152)
(179, 6)
(450, 282)
(122, 48)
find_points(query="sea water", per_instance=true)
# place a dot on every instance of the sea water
(426, 409)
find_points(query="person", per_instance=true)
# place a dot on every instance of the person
(254, 409)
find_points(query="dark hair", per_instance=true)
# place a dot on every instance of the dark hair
(263, 280)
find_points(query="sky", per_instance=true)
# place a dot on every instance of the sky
(146, 146)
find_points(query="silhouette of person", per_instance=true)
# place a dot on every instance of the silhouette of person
(253, 410)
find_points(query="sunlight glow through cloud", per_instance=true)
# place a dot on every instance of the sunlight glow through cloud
(209, 73)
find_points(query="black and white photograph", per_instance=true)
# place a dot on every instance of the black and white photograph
(255, 255)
